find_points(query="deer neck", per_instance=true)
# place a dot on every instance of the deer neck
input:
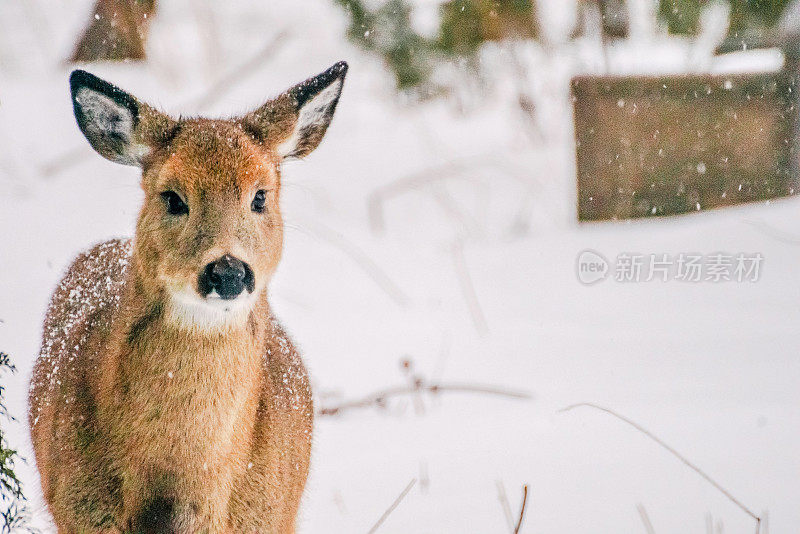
(192, 383)
(178, 404)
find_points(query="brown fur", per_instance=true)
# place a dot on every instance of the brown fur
(144, 423)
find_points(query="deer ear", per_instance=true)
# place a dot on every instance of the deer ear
(118, 126)
(295, 122)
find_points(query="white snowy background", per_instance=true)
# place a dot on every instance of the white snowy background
(713, 369)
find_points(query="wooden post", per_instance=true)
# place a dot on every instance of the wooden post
(651, 146)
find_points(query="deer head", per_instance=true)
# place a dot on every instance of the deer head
(210, 233)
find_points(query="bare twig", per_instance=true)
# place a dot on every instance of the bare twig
(648, 526)
(526, 104)
(379, 398)
(468, 289)
(40, 26)
(522, 508)
(465, 222)
(361, 259)
(339, 501)
(392, 507)
(444, 354)
(432, 174)
(672, 451)
(428, 175)
(240, 73)
(424, 477)
(503, 498)
(209, 33)
(775, 233)
(64, 161)
(407, 367)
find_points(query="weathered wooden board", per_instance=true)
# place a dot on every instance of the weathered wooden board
(674, 144)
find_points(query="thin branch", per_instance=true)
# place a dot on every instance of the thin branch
(414, 380)
(64, 161)
(468, 289)
(503, 498)
(444, 354)
(339, 501)
(240, 73)
(465, 222)
(775, 233)
(474, 388)
(378, 399)
(672, 451)
(210, 35)
(525, 104)
(424, 477)
(432, 174)
(522, 508)
(648, 526)
(377, 199)
(394, 505)
(361, 259)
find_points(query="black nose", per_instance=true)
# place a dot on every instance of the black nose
(228, 276)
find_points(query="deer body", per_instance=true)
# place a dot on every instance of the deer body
(167, 398)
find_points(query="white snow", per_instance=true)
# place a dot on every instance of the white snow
(713, 369)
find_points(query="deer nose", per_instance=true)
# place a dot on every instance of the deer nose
(228, 276)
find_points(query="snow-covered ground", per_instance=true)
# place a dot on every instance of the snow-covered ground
(711, 368)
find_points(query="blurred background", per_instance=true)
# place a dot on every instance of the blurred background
(432, 273)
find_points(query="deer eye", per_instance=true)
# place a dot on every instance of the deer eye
(259, 201)
(175, 205)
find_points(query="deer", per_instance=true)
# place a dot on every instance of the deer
(167, 397)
